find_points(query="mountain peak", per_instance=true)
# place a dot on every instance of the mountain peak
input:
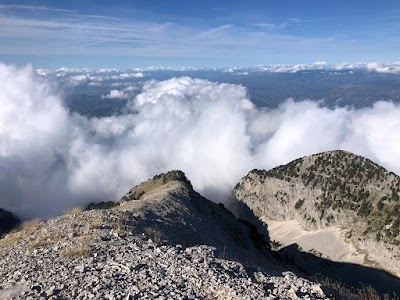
(138, 191)
(330, 189)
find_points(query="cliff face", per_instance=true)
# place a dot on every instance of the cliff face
(8, 221)
(163, 241)
(333, 189)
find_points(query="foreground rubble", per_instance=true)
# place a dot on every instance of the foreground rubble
(130, 252)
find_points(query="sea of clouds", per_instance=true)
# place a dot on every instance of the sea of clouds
(52, 160)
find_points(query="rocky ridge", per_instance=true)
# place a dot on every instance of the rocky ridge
(329, 189)
(169, 243)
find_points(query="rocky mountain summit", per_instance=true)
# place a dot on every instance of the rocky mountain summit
(163, 240)
(329, 191)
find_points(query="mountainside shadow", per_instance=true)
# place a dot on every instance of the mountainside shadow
(238, 235)
(203, 222)
(304, 263)
(352, 275)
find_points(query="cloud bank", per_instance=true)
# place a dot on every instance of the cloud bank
(119, 78)
(51, 160)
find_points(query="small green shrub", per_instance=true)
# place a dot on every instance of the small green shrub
(299, 204)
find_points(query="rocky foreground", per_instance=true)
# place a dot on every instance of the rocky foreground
(162, 241)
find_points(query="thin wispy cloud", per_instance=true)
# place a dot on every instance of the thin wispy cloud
(290, 22)
(33, 8)
(132, 38)
(389, 18)
(215, 31)
(139, 32)
(300, 20)
(271, 25)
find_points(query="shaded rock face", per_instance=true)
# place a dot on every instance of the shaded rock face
(8, 221)
(169, 243)
(185, 217)
(335, 188)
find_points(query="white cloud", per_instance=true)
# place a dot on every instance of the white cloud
(97, 78)
(115, 94)
(94, 84)
(44, 72)
(125, 93)
(105, 70)
(320, 63)
(389, 68)
(393, 68)
(51, 160)
(34, 135)
(79, 78)
(127, 76)
(70, 70)
(117, 84)
(138, 75)
(115, 74)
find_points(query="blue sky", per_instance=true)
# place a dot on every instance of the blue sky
(128, 34)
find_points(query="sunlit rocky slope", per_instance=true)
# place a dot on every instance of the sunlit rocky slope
(333, 204)
(161, 241)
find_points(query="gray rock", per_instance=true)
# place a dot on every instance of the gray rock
(97, 265)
